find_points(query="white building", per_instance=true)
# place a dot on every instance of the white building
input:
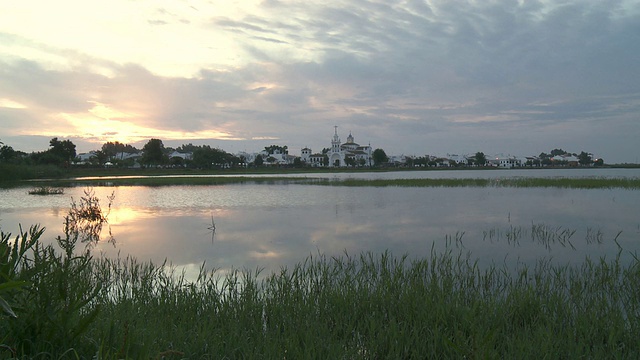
(340, 155)
(277, 157)
(349, 153)
(506, 161)
(314, 160)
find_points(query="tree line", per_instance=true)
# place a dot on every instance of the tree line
(62, 153)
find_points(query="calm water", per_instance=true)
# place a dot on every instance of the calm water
(270, 226)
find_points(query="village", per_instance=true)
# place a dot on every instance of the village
(348, 154)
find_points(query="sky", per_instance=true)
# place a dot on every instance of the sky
(413, 77)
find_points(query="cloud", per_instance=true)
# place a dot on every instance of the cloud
(412, 77)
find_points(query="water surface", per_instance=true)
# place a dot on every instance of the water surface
(277, 225)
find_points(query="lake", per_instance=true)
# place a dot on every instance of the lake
(270, 226)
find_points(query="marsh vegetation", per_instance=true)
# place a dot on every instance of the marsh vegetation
(46, 190)
(65, 303)
(507, 182)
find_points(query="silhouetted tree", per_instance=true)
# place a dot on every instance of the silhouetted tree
(100, 157)
(153, 153)
(258, 161)
(272, 149)
(65, 149)
(379, 157)
(7, 154)
(206, 157)
(111, 149)
(584, 159)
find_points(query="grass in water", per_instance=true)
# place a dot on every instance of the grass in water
(368, 306)
(574, 183)
(46, 190)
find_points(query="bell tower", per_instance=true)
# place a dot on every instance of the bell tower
(335, 143)
(336, 157)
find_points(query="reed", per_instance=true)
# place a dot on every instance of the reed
(355, 307)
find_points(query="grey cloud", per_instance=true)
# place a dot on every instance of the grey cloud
(413, 77)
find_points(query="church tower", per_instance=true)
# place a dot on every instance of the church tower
(336, 156)
(350, 138)
(335, 143)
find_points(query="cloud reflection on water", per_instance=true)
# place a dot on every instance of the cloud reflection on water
(271, 226)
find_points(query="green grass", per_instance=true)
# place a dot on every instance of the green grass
(368, 306)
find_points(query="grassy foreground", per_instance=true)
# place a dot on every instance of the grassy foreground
(59, 305)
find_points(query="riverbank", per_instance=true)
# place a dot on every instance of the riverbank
(363, 306)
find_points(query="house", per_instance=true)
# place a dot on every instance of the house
(506, 162)
(277, 157)
(565, 160)
(183, 156)
(85, 158)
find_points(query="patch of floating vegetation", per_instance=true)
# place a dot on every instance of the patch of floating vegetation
(46, 190)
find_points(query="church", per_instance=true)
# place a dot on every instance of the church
(340, 155)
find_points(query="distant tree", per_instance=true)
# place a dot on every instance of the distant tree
(481, 158)
(206, 157)
(532, 162)
(273, 148)
(100, 157)
(258, 161)
(297, 162)
(187, 148)
(421, 161)
(59, 153)
(112, 149)
(176, 161)
(350, 161)
(326, 150)
(584, 159)
(379, 157)
(7, 154)
(409, 161)
(153, 153)
(598, 162)
(325, 159)
(65, 149)
(556, 152)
